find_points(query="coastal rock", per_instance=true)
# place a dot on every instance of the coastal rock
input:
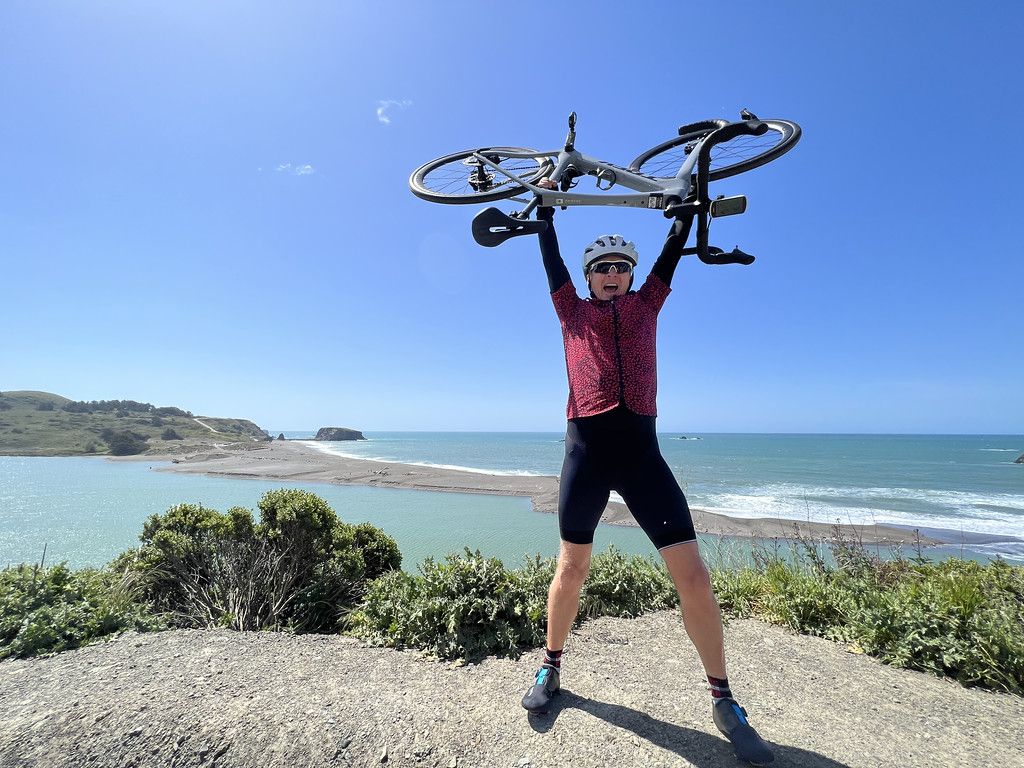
(281, 436)
(1019, 459)
(338, 433)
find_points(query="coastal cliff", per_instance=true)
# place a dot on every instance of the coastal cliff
(338, 433)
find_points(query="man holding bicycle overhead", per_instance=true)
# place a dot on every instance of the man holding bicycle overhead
(611, 445)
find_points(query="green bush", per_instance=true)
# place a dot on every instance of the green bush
(170, 434)
(471, 606)
(468, 606)
(56, 609)
(956, 618)
(380, 552)
(625, 586)
(124, 443)
(299, 568)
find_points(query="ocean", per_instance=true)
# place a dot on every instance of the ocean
(87, 510)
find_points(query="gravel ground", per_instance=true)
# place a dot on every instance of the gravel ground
(205, 698)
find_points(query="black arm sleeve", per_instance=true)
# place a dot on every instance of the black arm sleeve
(558, 275)
(672, 251)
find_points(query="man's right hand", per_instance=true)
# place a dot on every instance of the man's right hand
(546, 212)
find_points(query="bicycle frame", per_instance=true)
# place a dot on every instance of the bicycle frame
(649, 192)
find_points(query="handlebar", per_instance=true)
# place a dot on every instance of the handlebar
(715, 255)
(699, 203)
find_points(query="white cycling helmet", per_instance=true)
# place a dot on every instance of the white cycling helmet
(607, 245)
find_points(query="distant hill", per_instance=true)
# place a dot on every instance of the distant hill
(44, 424)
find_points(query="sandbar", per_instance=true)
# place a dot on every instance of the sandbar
(303, 461)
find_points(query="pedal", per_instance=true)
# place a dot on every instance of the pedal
(728, 206)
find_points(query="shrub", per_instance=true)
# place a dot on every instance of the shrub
(625, 586)
(124, 443)
(169, 411)
(55, 609)
(471, 606)
(380, 552)
(45, 406)
(170, 434)
(467, 606)
(299, 568)
(956, 618)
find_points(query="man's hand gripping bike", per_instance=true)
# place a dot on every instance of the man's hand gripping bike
(672, 177)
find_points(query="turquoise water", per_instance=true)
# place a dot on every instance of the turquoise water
(86, 510)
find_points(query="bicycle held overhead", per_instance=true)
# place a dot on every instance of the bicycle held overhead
(672, 177)
(610, 343)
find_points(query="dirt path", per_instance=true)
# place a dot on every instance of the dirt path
(192, 698)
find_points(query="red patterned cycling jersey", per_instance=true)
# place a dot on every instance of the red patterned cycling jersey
(610, 350)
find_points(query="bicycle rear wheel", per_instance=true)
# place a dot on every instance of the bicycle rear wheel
(461, 178)
(727, 159)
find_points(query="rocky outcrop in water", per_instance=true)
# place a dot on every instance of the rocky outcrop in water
(338, 433)
(1020, 459)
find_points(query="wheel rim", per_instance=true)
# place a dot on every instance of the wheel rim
(462, 175)
(726, 159)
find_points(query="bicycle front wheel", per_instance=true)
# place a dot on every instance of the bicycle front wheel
(727, 159)
(462, 178)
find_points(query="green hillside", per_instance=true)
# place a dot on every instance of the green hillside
(44, 424)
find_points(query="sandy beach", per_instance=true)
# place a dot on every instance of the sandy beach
(302, 461)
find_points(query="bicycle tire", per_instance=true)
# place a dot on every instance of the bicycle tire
(669, 156)
(450, 179)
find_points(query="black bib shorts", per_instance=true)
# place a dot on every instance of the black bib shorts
(618, 451)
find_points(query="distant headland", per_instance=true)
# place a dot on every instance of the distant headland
(45, 424)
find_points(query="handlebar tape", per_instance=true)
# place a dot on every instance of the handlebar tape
(718, 256)
(702, 125)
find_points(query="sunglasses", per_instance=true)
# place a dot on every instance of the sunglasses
(604, 267)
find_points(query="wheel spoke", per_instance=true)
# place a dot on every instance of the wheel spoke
(738, 151)
(461, 176)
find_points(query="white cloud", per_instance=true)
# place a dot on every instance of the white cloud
(296, 170)
(390, 104)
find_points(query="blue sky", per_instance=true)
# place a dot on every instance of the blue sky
(206, 205)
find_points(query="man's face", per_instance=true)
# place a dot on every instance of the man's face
(614, 282)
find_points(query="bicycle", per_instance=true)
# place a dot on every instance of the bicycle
(672, 177)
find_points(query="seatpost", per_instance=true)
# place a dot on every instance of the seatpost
(570, 139)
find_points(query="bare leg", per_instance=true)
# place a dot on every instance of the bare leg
(564, 594)
(701, 614)
(703, 621)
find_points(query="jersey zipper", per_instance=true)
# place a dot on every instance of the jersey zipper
(618, 355)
